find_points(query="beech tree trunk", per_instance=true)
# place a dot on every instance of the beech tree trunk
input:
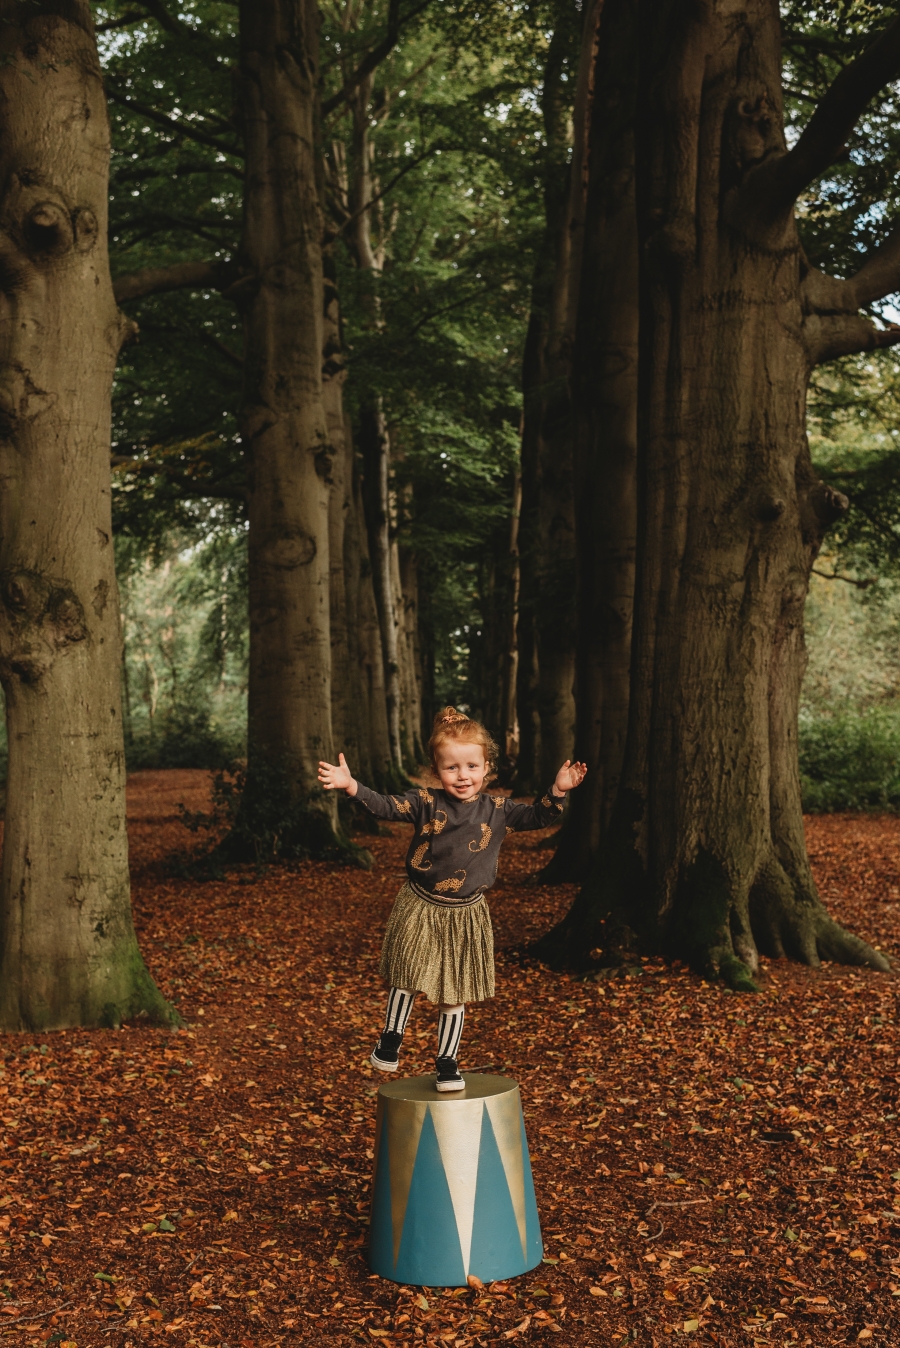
(528, 758)
(284, 426)
(546, 673)
(364, 625)
(375, 447)
(508, 721)
(705, 856)
(345, 708)
(374, 439)
(407, 589)
(68, 953)
(604, 295)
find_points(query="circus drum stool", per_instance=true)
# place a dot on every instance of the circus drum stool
(453, 1193)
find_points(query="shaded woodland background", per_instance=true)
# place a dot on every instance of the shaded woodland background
(468, 124)
(462, 354)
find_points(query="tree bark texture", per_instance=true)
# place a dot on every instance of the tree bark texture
(407, 605)
(546, 679)
(365, 632)
(376, 449)
(508, 721)
(284, 426)
(604, 295)
(68, 953)
(705, 855)
(345, 708)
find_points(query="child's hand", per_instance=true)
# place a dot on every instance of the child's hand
(337, 778)
(569, 776)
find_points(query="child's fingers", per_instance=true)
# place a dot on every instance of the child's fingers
(342, 760)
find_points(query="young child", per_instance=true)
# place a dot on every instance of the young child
(439, 939)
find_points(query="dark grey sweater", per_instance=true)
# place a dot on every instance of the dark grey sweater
(456, 843)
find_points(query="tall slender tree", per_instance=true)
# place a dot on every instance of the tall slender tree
(284, 424)
(68, 952)
(546, 668)
(705, 855)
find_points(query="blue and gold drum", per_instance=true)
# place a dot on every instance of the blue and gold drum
(453, 1193)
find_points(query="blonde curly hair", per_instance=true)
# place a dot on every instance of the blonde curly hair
(450, 724)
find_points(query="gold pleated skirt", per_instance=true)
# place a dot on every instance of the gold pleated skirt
(445, 952)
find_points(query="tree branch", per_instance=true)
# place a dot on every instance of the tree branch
(145, 173)
(189, 486)
(132, 16)
(172, 123)
(779, 181)
(379, 196)
(831, 335)
(221, 346)
(880, 273)
(180, 276)
(158, 11)
(375, 57)
(860, 584)
(152, 222)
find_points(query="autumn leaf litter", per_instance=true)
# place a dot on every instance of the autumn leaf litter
(711, 1167)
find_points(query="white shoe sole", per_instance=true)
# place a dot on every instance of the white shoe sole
(383, 1066)
(451, 1085)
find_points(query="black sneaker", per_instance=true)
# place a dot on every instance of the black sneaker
(386, 1053)
(448, 1077)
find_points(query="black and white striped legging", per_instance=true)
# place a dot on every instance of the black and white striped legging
(450, 1020)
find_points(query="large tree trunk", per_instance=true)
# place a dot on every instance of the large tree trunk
(508, 721)
(283, 422)
(604, 293)
(547, 625)
(526, 778)
(705, 856)
(345, 707)
(68, 953)
(374, 438)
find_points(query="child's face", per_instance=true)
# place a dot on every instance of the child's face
(461, 768)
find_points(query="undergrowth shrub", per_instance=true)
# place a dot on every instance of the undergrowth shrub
(186, 736)
(850, 760)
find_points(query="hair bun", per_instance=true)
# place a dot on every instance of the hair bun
(449, 716)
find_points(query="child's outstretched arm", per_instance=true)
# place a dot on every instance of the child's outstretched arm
(405, 808)
(547, 808)
(338, 778)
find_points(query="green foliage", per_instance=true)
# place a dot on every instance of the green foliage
(851, 760)
(853, 207)
(185, 666)
(854, 428)
(850, 714)
(459, 155)
(175, 196)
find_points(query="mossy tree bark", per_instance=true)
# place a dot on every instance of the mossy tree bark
(705, 856)
(68, 953)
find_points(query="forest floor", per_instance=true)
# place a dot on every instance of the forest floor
(709, 1166)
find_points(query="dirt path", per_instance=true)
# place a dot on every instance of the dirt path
(209, 1187)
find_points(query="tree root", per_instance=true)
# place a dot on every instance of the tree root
(719, 932)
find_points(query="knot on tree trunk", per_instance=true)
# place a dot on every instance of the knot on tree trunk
(753, 131)
(822, 506)
(42, 617)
